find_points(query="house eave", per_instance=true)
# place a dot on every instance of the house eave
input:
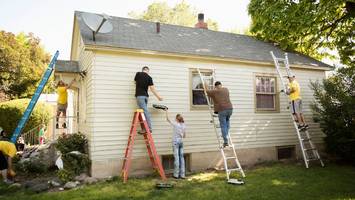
(110, 49)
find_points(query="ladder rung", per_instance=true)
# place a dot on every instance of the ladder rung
(313, 159)
(228, 158)
(306, 139)
(234, 169)
(310, 149)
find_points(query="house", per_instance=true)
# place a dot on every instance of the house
(104, 96)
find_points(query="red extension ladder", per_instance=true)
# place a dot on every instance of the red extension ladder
(139, 118)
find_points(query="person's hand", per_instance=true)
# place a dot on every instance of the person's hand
(11, 173)
(160, 98)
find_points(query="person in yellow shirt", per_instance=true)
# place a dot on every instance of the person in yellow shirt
(296, 102)
(7, 152)
(62, 102)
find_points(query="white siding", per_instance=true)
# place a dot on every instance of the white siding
(85, 122)
(112, 105)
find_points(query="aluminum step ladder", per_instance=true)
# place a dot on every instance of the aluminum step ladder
(309, 150)
(26, 115)
(228, 153)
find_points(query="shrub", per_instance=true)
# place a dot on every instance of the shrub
(72, 142)
(334, 109)
(74, 162)
(65, 175)
(12, 111)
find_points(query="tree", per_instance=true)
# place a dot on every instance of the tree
(308, 26)
(334, 109)
(181, 14)
(22, 62)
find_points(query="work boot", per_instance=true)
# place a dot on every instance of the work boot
(64, 125)
(56, 125)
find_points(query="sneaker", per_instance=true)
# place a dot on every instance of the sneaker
(182, 177)
(142, 132)
(225, 145)
(306, 126)
(175, 177)
(56, 125)
(64, 125)
(300, 127)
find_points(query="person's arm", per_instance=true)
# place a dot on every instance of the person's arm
(70, 84)
(152, 88)
(167, 116)
(10, 170)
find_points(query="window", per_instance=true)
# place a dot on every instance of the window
(265, 93)
(198, 99)
(285, 152)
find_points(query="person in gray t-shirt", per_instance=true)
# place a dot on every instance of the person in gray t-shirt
(178, 135)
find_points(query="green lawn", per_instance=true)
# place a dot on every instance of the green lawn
(277, 181)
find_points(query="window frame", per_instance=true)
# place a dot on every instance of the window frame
(277, 96)
(191, 72)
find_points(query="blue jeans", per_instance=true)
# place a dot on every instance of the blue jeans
(142, 102)
(224, 121)
(179, 162)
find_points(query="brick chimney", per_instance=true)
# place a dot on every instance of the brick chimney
(158, 27)
(201, 21)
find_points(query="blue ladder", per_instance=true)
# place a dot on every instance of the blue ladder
(31, 105)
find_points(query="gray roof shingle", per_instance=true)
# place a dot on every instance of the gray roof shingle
(141, 35)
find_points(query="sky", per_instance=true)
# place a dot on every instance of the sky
(52, 21)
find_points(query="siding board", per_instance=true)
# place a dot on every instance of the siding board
(111, 105)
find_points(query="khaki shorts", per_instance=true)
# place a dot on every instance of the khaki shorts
(62, 107)
(296, 106)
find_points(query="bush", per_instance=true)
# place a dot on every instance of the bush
(72, 142)
(12, 111)
(74, 148)
(65, 175)
(334, 108)
(76, 163)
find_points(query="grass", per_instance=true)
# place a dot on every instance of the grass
(276, 181)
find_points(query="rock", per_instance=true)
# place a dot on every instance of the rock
(41, 153)
(35, 154)
(15, 185)
(110, 178)
(70, 185)
(90, 180)
(54, 183)
(24, 160)
(81, 177)
(28, 184)
(40, 187)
